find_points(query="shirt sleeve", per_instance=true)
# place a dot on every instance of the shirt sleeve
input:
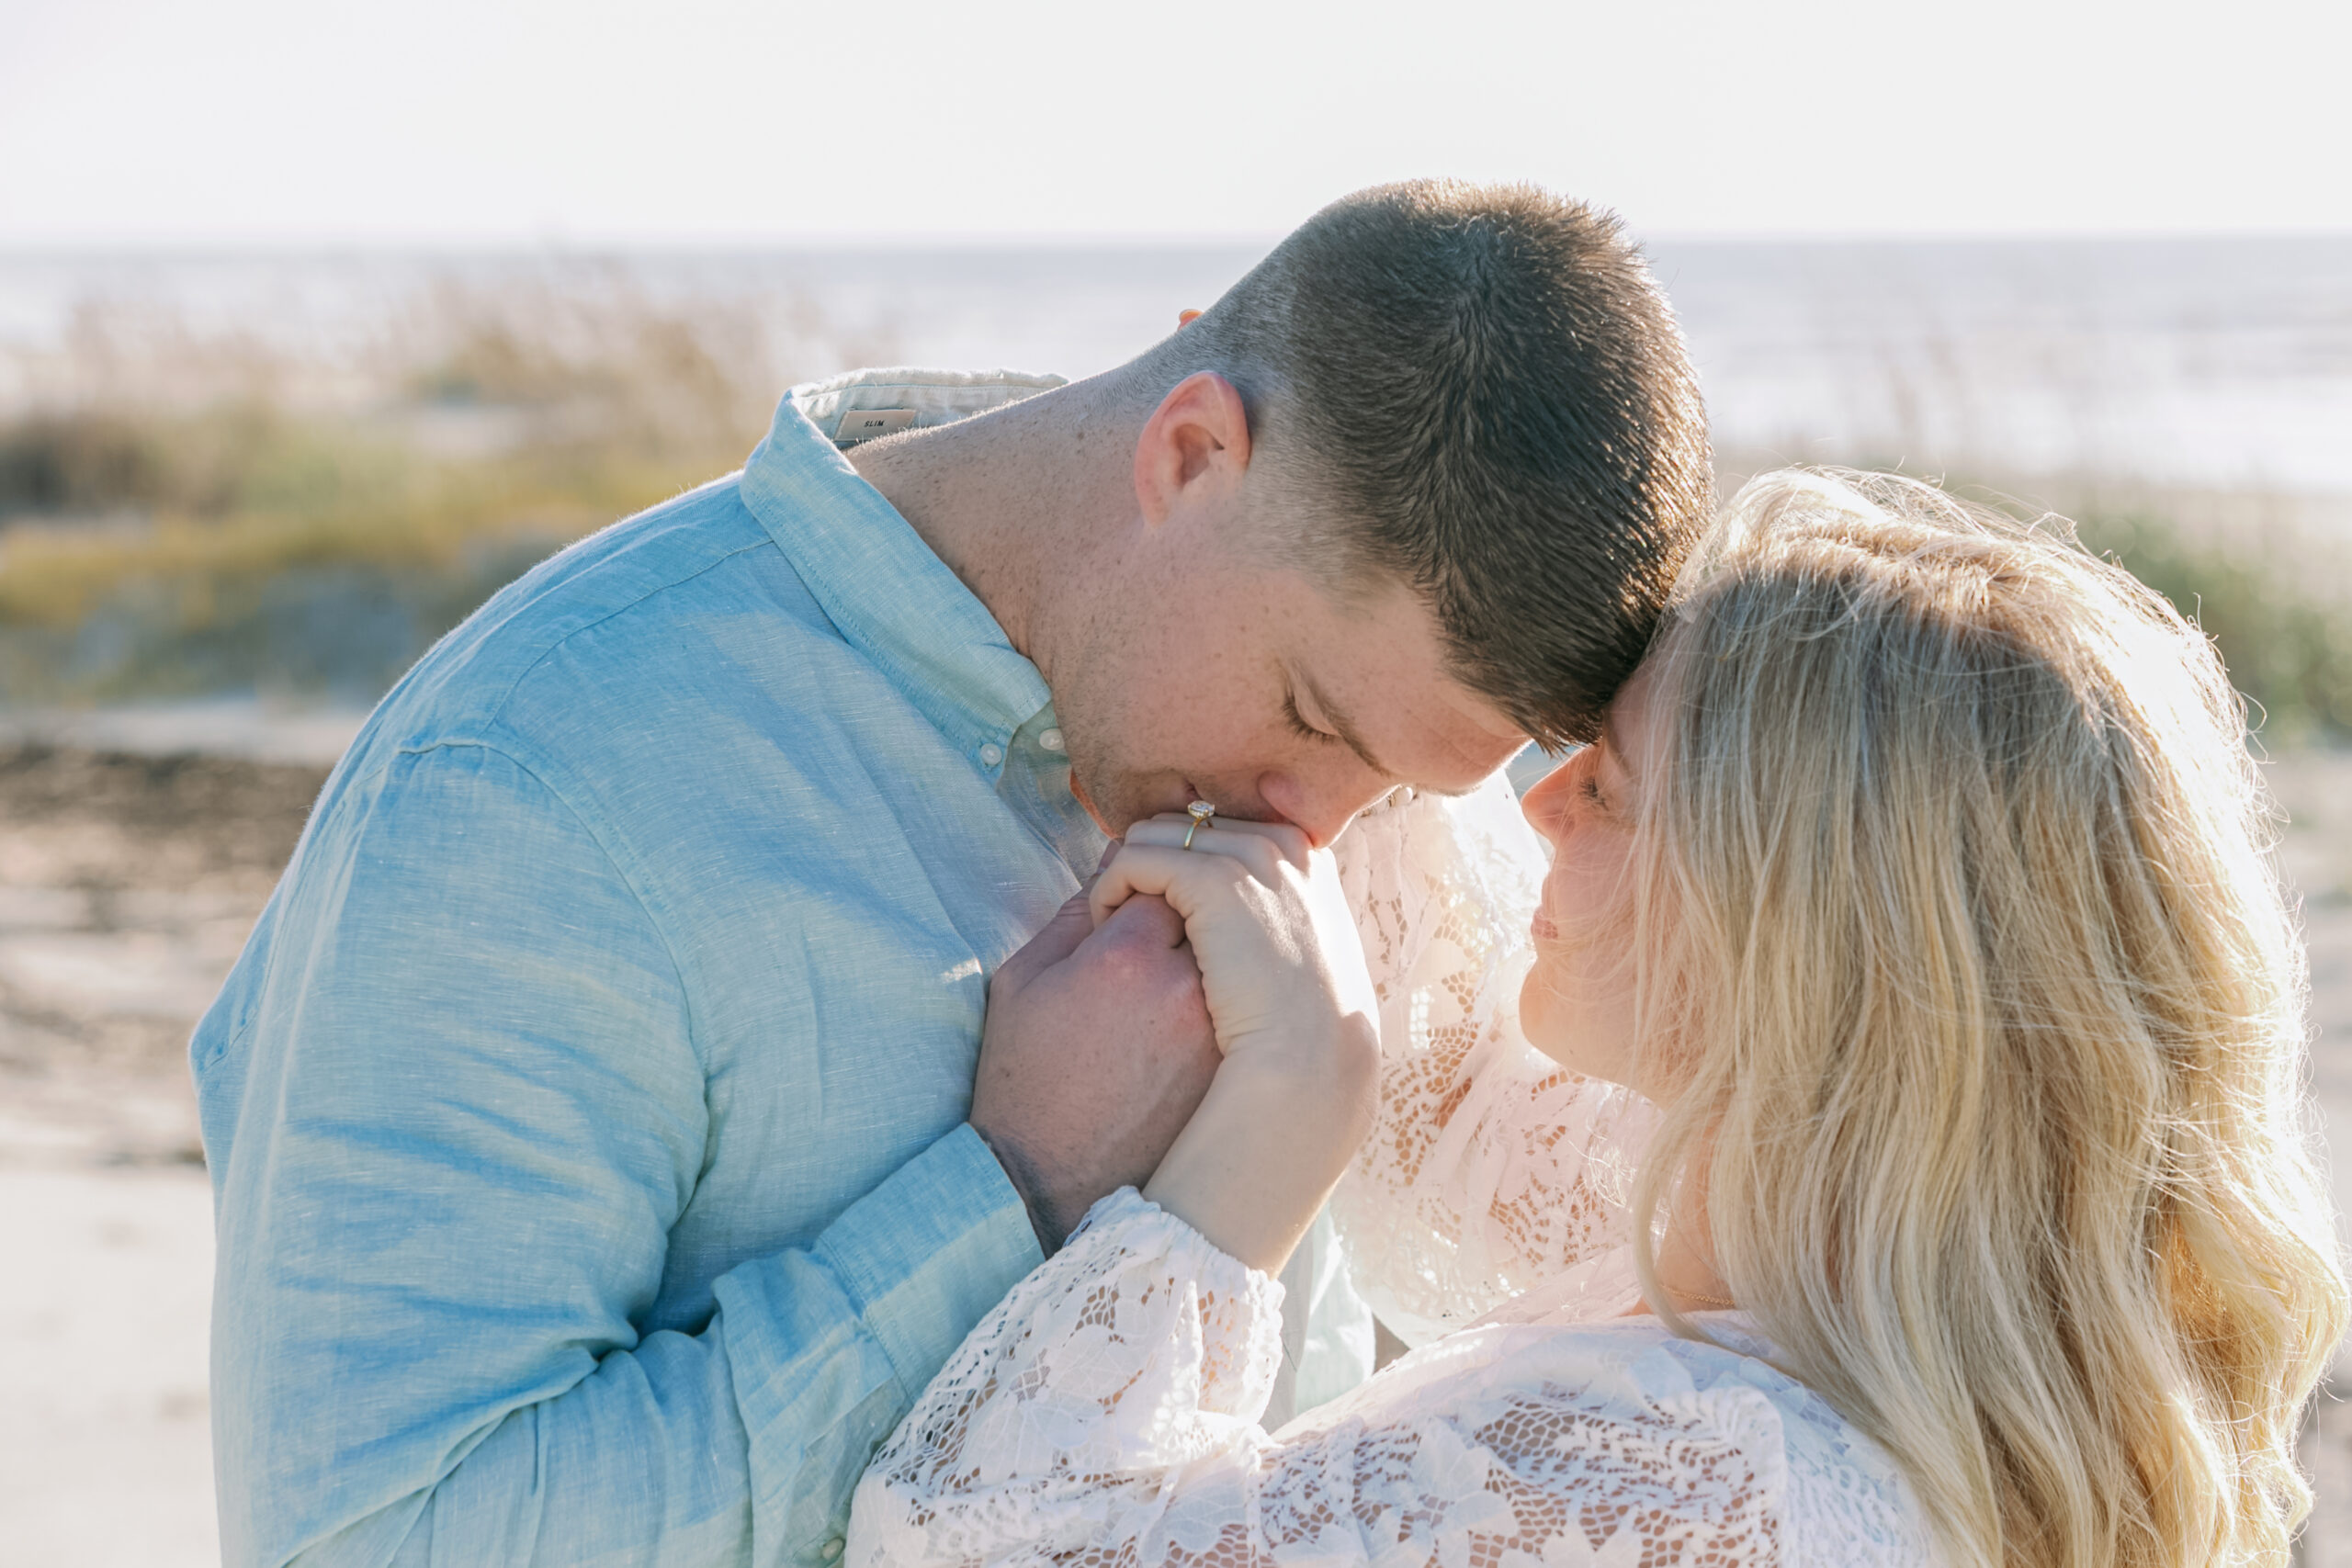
(1101, 1416)
(450, 1134)
(1492, 1169)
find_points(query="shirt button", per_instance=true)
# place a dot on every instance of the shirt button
(831, 1550)
(991, 753)
(1051, 740)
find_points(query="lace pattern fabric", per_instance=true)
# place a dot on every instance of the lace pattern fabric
(1492, 1169)
(1104, 1414)
(1101, 1416)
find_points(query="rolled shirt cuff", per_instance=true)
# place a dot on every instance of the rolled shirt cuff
(926, 1255)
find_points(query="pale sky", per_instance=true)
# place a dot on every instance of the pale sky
(212, 122)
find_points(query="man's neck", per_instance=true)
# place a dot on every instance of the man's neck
(1017, 502)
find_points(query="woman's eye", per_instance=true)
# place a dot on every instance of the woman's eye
(1588, 787)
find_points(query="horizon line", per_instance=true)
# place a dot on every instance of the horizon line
(567, 245)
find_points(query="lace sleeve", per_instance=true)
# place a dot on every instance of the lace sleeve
(1492, 1169)
(1100, 1418)
(1137, 1350)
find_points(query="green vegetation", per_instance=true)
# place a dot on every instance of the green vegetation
(317, 559)
(153, 552)
(237, 537)
(2278, 607)
(2267, 577)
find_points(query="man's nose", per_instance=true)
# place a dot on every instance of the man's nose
(1321, 812)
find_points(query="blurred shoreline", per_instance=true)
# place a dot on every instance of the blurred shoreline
(248, 729)
(2218, 362)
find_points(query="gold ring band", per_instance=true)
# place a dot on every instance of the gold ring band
(1200, 811)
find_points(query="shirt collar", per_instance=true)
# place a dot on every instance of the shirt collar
(890, 596)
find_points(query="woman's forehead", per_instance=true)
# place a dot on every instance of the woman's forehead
(1625, 725)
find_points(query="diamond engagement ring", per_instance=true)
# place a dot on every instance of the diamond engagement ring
(1200, 811)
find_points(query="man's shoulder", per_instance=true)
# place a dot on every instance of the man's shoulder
(604, 614)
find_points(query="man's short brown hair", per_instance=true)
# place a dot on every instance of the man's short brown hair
(1486, 397)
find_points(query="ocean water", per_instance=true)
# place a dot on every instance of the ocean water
(2220, 363)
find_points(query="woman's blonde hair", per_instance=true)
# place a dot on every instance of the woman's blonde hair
(1957, 923)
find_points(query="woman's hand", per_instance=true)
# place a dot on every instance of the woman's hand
(1282, 971)
(1282, 967)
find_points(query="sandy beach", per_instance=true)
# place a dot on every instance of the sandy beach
(127, 884)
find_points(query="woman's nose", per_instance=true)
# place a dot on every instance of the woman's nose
(1545, 805)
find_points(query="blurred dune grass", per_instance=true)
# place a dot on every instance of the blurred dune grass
(2278, 604)
(2259, 573)
(182, 514)
(173, 526)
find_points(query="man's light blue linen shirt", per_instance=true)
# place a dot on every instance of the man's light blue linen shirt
(586, 1112)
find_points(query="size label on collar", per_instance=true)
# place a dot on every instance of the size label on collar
(865, 424)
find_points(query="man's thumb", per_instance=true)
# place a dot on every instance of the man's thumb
(1071, 924)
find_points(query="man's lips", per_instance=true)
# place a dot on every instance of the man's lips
(1542, 928)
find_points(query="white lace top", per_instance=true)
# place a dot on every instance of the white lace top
(1492, 1169)
(1105, 1413)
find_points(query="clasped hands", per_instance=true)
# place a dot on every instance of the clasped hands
(1198, 1023)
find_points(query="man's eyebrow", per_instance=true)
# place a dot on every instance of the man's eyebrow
(1340, 725)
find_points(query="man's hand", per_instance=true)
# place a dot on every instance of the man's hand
(1096, 1051)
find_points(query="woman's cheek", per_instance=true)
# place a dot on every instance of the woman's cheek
(1576, 1003)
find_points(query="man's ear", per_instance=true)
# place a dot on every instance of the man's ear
(1198, 434)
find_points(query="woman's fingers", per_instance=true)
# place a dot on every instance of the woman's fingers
(1291, 841)
(1254, 941)
(1281, 964)
(1187, 879)
(1226, 836)
(1261, 857)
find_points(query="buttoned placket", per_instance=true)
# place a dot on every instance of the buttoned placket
(1032, 776)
